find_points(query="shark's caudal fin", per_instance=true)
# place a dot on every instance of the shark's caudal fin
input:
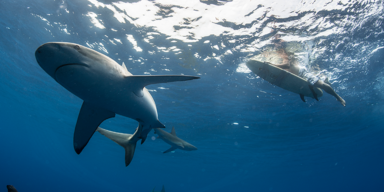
(127, 141)
(143, 80)
(90, 117)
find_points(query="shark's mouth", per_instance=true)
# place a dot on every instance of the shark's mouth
(70, 72)
(76, 77)
(70, 64)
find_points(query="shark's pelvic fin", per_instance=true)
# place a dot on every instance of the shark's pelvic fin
(302, 97)
(143, 80)
(313, 92)
(154, 125)
(90, 117)
(128, 141)
(173, 132)
(143, 139)
(170, 149)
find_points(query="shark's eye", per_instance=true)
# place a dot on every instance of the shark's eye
(77, 47)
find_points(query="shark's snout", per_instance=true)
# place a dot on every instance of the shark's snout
(192, 148)
(47, 48)
(48, 56)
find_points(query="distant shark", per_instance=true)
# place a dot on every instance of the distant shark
(106, 87)
(162, 190)
(174, 141)
(11, 188)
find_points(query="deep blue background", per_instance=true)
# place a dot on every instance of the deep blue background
(288, 145)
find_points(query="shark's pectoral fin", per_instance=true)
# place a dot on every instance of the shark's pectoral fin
(302, 97)
(163, 189)
(145, 80)
(90, 117)
(170, 149)
(140, 81)
(180, 144)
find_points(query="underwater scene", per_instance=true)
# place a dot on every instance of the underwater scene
(192, 95)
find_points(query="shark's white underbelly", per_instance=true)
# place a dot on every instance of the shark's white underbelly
(107, 91)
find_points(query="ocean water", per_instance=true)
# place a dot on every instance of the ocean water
(250, 135)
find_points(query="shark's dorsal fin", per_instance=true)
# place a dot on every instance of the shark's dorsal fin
(140, 81)
(173, 132)
(163, 189)
(125, 70)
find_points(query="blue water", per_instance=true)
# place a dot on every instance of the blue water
(250, 135)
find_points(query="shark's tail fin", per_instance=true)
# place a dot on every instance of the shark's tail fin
(128, 141)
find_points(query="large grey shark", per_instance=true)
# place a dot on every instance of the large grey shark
(106, 87)
(174, 141)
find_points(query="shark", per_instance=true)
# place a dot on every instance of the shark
(105, 87)
(11, 188)
(162, 190)
(174, 141)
